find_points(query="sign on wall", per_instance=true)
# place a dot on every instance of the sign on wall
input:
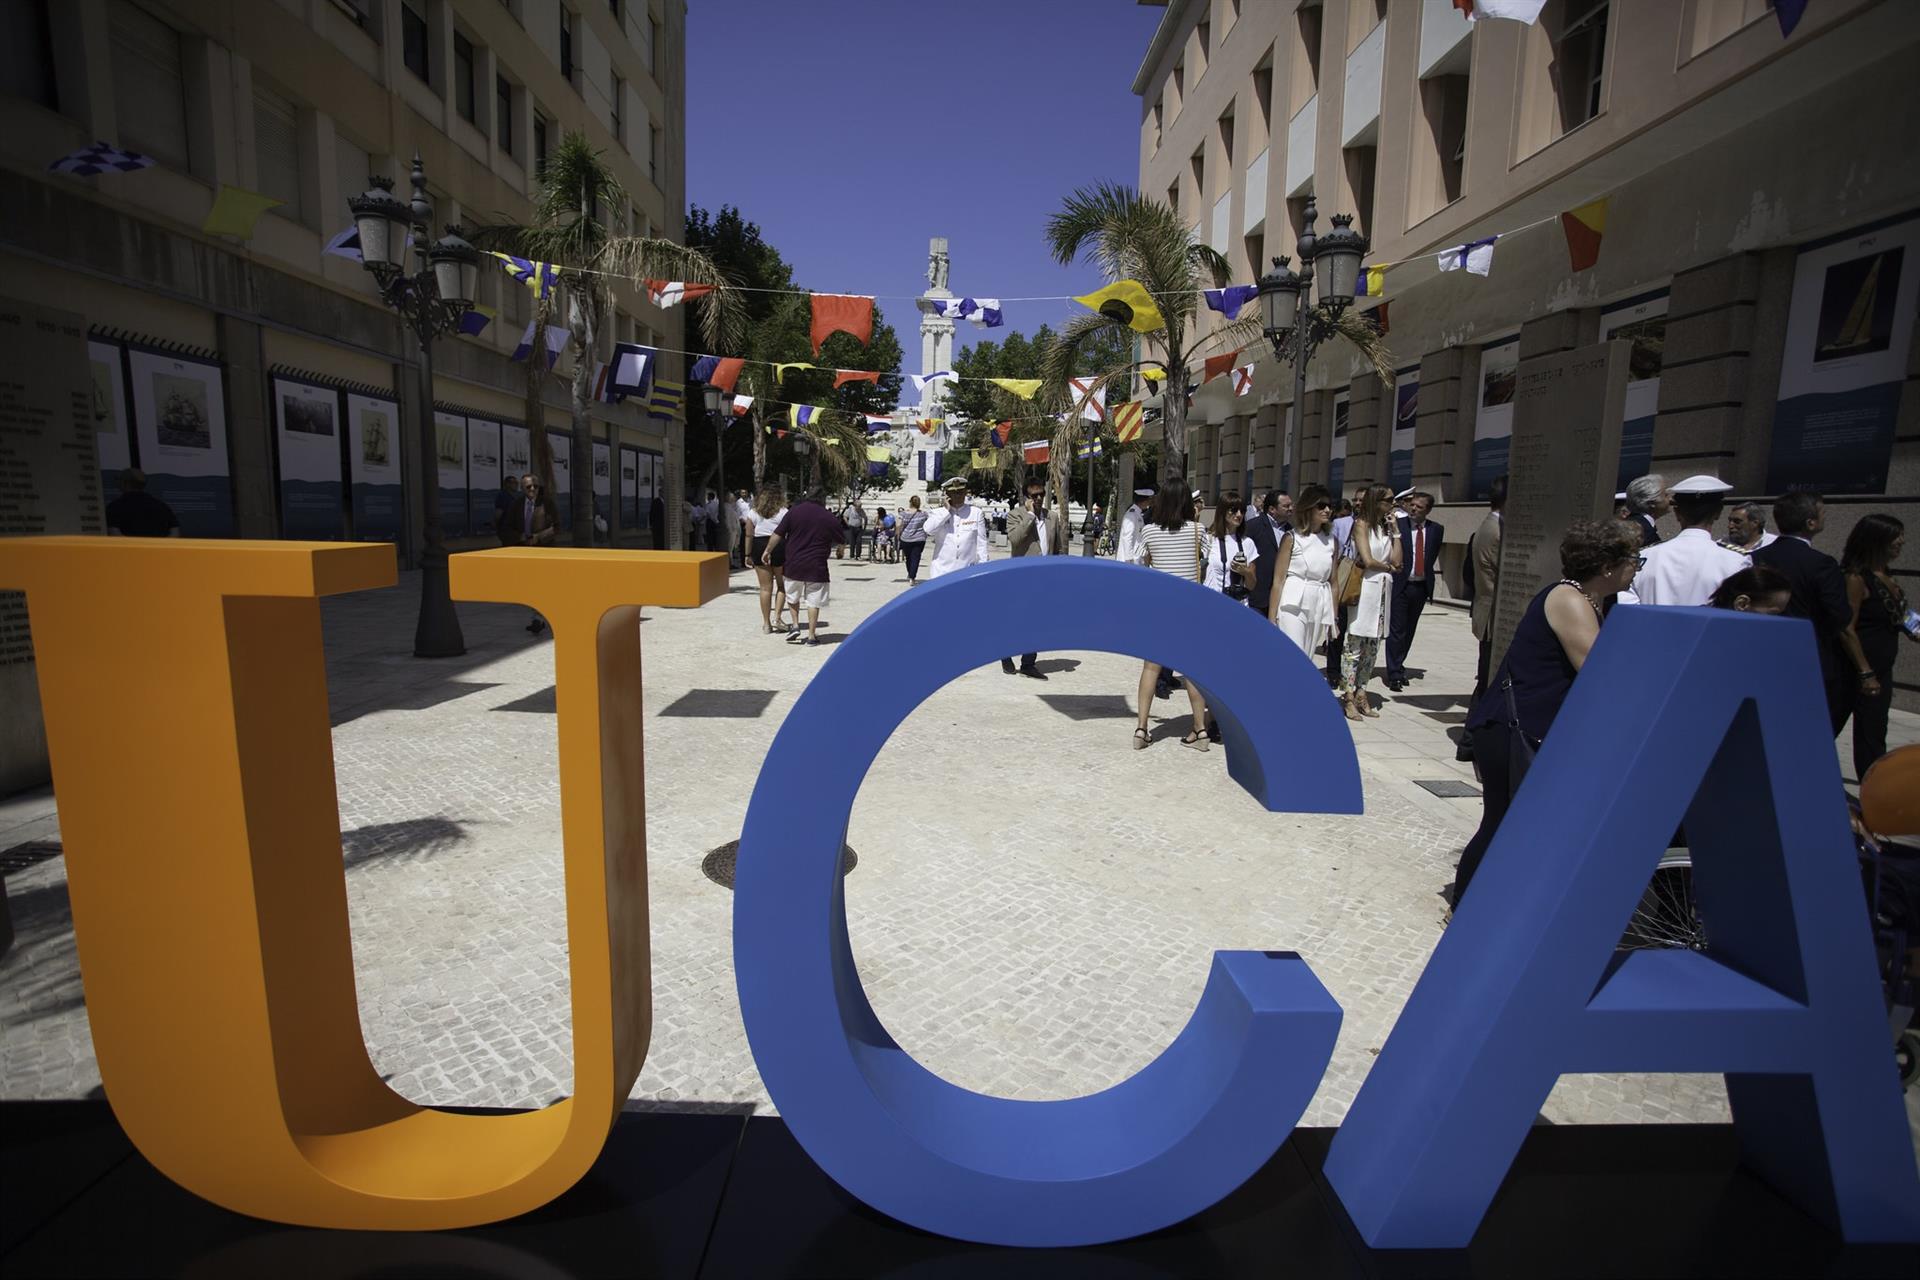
(106, 363)
(373, 466)
(450, 455)
(1493, 419)
(1643, 322)
(562, 445)
(1848, 337)
(306, 419)
(516, 450)
(180, 424)
(1337, 456)
(483, 473)
(629, 490)
(1406, 409)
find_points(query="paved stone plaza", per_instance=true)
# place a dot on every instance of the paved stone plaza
(1033, 906)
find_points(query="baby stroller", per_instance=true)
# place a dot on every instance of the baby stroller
(1888, 808)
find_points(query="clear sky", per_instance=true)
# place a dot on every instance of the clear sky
(853, 130)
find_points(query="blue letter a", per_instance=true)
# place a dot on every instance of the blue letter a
(1717, 718)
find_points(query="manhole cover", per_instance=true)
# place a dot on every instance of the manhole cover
(1447, 788)
(30, 854)
(718, 865)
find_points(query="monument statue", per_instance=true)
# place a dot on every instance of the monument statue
(937, 264)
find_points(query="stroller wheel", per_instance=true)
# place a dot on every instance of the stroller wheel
(1906, 1056)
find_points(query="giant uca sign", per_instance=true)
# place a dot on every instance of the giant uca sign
(186, 714)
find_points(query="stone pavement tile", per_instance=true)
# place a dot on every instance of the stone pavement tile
(1033, 912)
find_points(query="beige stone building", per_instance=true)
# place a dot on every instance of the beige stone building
(1761, 243)
(300, 101)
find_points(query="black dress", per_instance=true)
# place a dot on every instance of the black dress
(1878, 627)
(1541, 674)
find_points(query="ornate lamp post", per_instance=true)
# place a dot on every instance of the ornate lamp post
(1293, 323)
(431, 301)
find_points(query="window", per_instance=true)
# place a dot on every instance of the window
(1580, 61)
(1263, 98)
(1155, 123)
(1173, 197)
(355, 11)
(1440, 162)
(539, 146)
(463, 91)
(1197, 165)
(148, 94)
(1225, 130)
(1362, 17)
(413, 42)
(566, 44)
(1357, 165)
(1715, 20)
(503, 113)
(26, 57)
(649, 38)
(1306, 57)
(276, 149)
(1203, 45)
(1256, 248)
(653, 154)
(614, 112)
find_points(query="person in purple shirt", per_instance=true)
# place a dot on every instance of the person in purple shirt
(808, 533)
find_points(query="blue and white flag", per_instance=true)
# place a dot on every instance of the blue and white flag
(99, 158)
(1475, 255)
(703, 368)
(474, 320)
(631, 373)
(540, 277)
(1230, 300)
(557, 336)
(1086, 451)
(920, 381)
(347, 244)
(984, 312)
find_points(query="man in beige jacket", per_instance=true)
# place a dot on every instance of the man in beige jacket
(1032, 531)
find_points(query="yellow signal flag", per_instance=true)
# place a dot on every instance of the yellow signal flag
(235, 212)
(1126, 302)
(1022, 387)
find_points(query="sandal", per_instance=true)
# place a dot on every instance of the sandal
(1140, 740)
(1350, 702)
(1198, 741)
(1366, 707)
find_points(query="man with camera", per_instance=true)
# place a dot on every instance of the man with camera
(1031, 533)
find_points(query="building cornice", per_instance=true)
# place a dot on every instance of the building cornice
(1162, 41)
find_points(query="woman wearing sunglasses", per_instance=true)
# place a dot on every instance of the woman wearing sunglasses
(1308, 558)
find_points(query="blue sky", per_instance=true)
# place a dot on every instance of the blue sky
(853, 130)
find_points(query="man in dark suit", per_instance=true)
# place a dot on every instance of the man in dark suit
(1420, 541)
(1033, 531)
(1265, 529)
(1819, 594)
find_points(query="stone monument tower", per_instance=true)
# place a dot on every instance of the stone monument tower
(936, 331)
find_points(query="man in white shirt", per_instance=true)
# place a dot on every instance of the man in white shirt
(743, 524)
(1129, 545)
(957, 532)
(1685, 569)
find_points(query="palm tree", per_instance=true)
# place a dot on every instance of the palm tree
(1138, 238)
(577, 198)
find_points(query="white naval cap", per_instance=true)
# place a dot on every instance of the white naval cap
(1143, 493)
(1404, 493)
(1701, 484)
(1620, 496)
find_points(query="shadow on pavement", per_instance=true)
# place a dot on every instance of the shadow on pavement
(1089, 706)
(725, 704)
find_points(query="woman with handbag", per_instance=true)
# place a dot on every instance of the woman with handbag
(1598, 559)
(1376, 549)
(1309, 560)
(1172, 541)
(1230, 553)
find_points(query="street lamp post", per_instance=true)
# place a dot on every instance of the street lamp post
(710, 396)
(1293, 323)
(431, 301)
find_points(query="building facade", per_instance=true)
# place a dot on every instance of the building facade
(255, 345)
(1760, 243)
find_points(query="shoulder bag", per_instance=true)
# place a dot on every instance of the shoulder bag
(1521, 748)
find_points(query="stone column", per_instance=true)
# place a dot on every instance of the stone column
(1316, 434)
(250, 430)
(1264, 429)
(1711, 421)
(1202, 442)
(1437, 425)
(1233, 453)
(1369, 433)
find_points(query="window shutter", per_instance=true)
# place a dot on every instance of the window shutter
(148, 93)
(276, 147)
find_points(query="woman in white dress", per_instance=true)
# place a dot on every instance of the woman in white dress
(1305, 570)
(1377, 548)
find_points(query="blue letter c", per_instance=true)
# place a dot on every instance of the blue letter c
(1156, 1148)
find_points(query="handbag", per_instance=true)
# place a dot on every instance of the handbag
(1520, 750)
(1235, 588)
(1199, 554)
(1346, 587)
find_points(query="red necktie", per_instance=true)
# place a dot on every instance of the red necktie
(1419, 552)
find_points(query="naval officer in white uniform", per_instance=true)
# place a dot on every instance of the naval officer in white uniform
(1686, 568)
(958, 532)
(1130, 546)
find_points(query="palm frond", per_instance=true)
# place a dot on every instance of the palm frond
(1356, 328)
(722, 314)
(1210, 260)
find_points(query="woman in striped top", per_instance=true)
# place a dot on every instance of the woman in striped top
(1173, 542)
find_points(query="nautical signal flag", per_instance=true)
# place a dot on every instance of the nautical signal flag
(984, 460)
(741, 404)
(879, 453)
(1475, 255)
(1036, 451)
(100, 158)
(557, 336)
(671, 293)
(1373, 281)
(1584, 227)
(780, 370)
(1217, 365)
(1091, 399)
(717, 371)
(1022, 387)
(1126, 302)
(878, 422)
(1152, 374)
(1086, 451)
(842, 313)
(999, 434)
(632, 371)
(799, 415)
(843, 376)
(1127, 420)
(474, 320)
(539, 277)
(1229, 301)
(1243, 380)
(235, 212)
